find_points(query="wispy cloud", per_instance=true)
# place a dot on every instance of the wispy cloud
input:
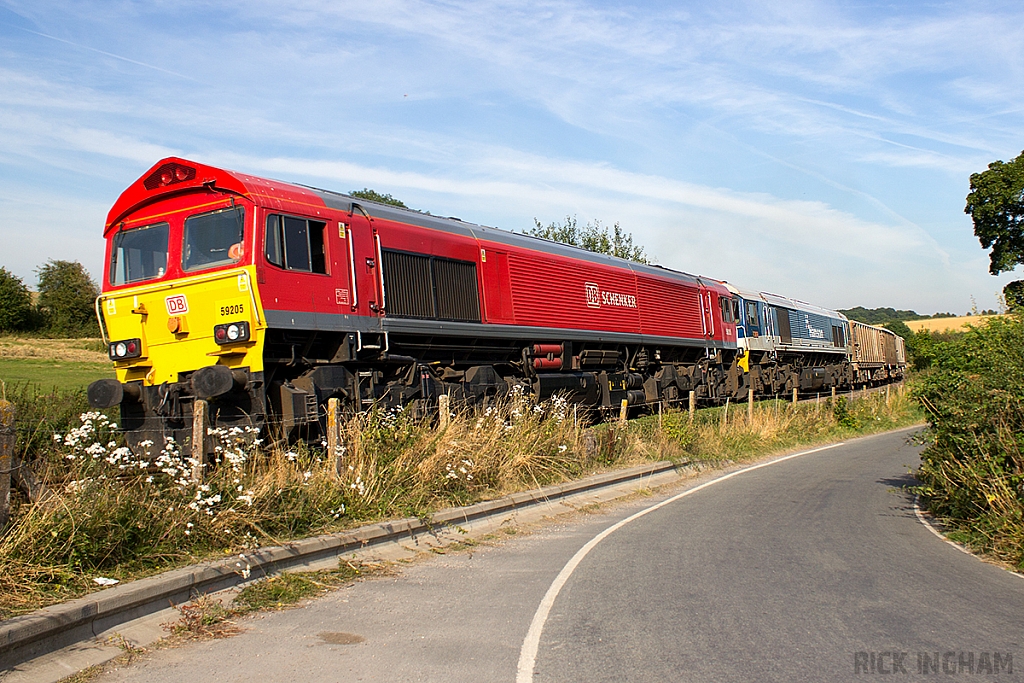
(104, 53)
(762, 139)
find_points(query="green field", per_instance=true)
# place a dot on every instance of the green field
(48, 373)
(65, 364)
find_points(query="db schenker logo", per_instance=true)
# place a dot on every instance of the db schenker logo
(596, 298)
(177, 304)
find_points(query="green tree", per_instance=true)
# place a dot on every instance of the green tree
(374, 196)
(592, 237)
(15, 303)
(66, 299)
(899, 327)
(1013, 295)
(878, 316)
(996, 205)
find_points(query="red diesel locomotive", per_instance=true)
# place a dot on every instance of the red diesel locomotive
(268, 298)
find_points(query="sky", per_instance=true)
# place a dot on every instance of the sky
(819, 150)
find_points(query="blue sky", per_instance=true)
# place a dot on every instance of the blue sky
(819, 150)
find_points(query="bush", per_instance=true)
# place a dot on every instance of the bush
(15, 303)
(973, 473)
(67, 298)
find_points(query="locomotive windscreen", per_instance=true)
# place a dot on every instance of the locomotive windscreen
(421, 286)
(139, 254)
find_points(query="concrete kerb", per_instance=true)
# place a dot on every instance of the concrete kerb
(49, 629)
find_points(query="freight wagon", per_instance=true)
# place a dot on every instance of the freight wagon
(876, 354)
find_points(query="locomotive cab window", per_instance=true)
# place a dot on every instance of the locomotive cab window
(728, 310)
(752, 313)
(296, 244)
(213, 239)
(838, 336)
(139, 254)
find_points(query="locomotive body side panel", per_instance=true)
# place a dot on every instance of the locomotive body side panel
(496, 283)
(670, 308)
(550, 290)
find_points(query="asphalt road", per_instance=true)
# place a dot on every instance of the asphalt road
(809, 569)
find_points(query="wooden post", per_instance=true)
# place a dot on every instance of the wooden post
(443, 415)
(795, 392)
(333, 444)
(725, 413)
(833, 394)
(887, 397)
(693, 404)
(750, 405)
(623, 411)
(198, 439)
(659, 415)
(7, 441)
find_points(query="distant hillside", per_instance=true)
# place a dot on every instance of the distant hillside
(877, 316)
(880, 316)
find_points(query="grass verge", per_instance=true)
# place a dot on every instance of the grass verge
(972, 473)
(114, 515)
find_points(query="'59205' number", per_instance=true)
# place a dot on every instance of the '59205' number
(233, 309)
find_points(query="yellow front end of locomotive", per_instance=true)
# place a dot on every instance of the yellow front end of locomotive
(161, 331)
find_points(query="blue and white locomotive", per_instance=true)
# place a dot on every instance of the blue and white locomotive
(788, 344)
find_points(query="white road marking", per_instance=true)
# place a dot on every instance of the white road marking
(528, 653)
(930, 526)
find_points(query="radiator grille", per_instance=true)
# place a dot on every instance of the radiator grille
(407, 285)
(420, 286)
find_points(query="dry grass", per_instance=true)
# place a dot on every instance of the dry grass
(112, 515)
(718, 435)
(84, 350)
(203, 618)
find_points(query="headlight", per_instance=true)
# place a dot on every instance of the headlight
(231, 333)
(125, 349)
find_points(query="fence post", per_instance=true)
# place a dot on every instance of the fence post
(725, 413)
(198, 439)
(886, 395)
(795, 392)
(623, 411)
(332, 434)
(443, 415)
(693, 404)
(659, 415)
(7, 441)
(750, 404)
(833, 394)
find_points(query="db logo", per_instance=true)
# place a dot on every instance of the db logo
(177, 304)
(593, 295)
